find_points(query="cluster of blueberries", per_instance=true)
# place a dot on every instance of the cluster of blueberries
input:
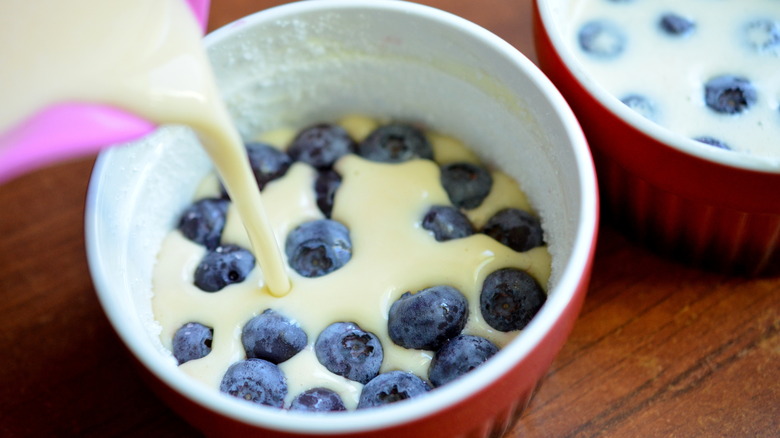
(431, 319)
(725, 94)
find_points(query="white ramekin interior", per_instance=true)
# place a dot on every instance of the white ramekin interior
(309, 61)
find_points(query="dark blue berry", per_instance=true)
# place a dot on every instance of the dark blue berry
(675, 24)
(395, 143)
(203, 221)
(729, 94)
(318, 247)
(192, 341)
(268, 163)
(466, 184)
(325, 186)
(318, 400)
(516, 229)
(427, 319)
(602, 39)
(257, 381)
(391, 387)
(510, 298)
(347, 350)
(712, 141)
(459, 356)
(447, 223)
(272, 337)
(763, 35)
(321, 145)
(223, 266)
(642, 105)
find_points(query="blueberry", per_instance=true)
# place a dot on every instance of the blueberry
(223, 266)
(203, 221)
(447, 223)
(602, 39)
(675, 24)
(459, 356)
(318, 247)
(466, 184)
(268, 163)
(642, 105)
(325, 186)
(729, 94)
(510, 298)
(763, 35)
(391, 387)
(321, 145)
(712, 141)
(347, 350)
(318, 400)
(272, 337)
(516, 229)
(395, 143)
(427, 319)
(257, 381)
(192, 341)
(223, 194)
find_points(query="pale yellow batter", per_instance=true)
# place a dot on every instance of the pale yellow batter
(382, 205)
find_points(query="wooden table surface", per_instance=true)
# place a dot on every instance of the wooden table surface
(660, 350)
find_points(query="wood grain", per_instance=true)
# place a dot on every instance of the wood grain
(660, 350)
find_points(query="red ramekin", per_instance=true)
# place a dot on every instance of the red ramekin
(705, 206)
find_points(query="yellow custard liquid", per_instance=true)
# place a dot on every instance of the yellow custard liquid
(382, 205)
(143, 56)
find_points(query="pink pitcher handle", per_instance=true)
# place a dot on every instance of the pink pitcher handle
(201, 10)
(66, 131)
(74, 129)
